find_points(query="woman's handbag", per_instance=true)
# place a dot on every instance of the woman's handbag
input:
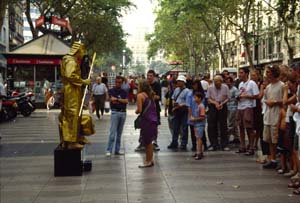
(138, 120)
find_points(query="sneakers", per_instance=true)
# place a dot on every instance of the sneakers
(290, 173)
(211, 148)
(108, 154)
(119, 153)
(155, 146)
(296, 177)
(270, 165)
(226, 149)
(172, 146)
(140, 148)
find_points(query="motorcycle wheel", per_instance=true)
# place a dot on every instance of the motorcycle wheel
(26, 111)
(11, 114)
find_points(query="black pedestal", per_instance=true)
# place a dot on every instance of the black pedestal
(67, 162)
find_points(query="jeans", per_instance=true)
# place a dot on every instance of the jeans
(116, 128)
(180, 123)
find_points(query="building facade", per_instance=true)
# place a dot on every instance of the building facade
(15, 21)
(267, 39)
(4, 45)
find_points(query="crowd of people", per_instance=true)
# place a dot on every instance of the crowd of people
(256, 112)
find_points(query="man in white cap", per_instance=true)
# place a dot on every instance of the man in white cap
(180, 111)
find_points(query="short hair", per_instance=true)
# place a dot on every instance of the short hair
(198, 94)
(118, 77)
(218, 77)
(295, 65)
(229, 78)
(151, 72)
(245, 69)
(275, 70)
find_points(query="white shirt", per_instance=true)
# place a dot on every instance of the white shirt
(99, 89)
(205, 85)
(250, 88)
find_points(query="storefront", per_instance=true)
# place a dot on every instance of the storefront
(36, 64)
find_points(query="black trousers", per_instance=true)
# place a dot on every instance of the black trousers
(217, 123)
(99, 101)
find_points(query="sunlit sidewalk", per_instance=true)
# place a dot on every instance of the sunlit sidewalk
(27, 170)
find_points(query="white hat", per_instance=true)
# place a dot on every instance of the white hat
(181, 78)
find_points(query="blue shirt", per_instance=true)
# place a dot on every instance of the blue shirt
(196, 114)
(120, 94)
(180, 96)
(232, 102)
(190, 102)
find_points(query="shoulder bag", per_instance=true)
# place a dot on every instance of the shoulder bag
(137, 121)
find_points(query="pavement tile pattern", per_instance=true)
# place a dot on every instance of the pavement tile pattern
(27, 170)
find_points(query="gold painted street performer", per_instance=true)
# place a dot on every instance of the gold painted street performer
(73, 126)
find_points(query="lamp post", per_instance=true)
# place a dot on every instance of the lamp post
(124, 61)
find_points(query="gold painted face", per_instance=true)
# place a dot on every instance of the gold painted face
(77, 48)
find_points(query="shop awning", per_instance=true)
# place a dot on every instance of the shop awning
(47, 44)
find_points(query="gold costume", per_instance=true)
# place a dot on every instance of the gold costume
(70, 120)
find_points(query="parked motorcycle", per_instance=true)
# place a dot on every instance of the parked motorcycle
(25, 103)
(9, 109)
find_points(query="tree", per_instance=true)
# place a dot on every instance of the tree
(138, 69)
(159, 67)
(286, 10)
(180, 34)
(95, 22)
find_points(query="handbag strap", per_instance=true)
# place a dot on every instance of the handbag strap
(178, 94)
(146, 109)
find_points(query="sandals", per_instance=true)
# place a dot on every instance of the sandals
(199, 156)
(296, 191)
(241, 150)
(146, 165)
(295, 184)
(249, 153)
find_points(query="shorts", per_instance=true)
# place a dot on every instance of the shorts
(245, 118)
(270, 134)
(199, 131)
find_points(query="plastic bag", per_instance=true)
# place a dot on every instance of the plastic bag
(106, 106)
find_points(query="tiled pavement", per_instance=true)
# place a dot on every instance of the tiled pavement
(26, 171)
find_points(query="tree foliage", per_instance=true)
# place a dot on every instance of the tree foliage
(286, 10)
(180, 34)
(94, 22)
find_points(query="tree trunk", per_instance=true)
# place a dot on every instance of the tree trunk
(3, 6)
(27, 13)
(249, 53)
(290, 48)
(218, 43)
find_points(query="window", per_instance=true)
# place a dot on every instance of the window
(4, 35)
(271, 45)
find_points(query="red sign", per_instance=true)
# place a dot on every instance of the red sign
(33, 61)
(40, 21)
(59, 21)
